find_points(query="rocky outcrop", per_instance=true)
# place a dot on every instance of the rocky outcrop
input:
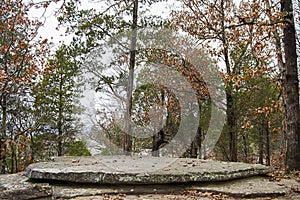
(18, 187)
(246, 188)
(140, 170)
(82, 178)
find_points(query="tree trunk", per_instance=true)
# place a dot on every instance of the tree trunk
(60, 118)
(229, 93)
(261, 143)
(193, 149)
(291, 89)
(245, 148)
(159, 137)
(59, 144)
(231, 127)
(155, 147)
(32, 151)
(13, 159)
(3, 137)
(199, 140)
(128, 135)
(158, 140)
(268, 158)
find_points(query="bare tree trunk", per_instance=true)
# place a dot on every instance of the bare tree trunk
(291, 89)
(13, 159)
(128, 135)
(155, 147)
(158, 140)
(268, 158)
(59, 144)
(32, 150)
(245, 148)
(193, 149)
(60, 123)
(261, 143)
(229, 93)
(231, 127)
(199, 141)
(3, 137)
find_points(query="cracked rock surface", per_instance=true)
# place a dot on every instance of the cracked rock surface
(121, 177)
(140, 170)
(18, 187)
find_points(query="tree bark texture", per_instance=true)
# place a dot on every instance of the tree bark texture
(291, 89)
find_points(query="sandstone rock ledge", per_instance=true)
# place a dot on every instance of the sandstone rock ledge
(18, 187)
(140, 170)
(86, 178)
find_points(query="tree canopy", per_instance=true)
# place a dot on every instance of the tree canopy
(211, 79)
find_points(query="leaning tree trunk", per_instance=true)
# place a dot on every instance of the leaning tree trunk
(291, 89)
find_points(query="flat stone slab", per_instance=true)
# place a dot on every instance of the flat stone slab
(17, 187)
(140, 170)
(67, 191)
(246, 188)
(249, 188)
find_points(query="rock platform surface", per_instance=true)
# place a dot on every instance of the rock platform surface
(140, 170)
(121, 177)
(19, 187)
